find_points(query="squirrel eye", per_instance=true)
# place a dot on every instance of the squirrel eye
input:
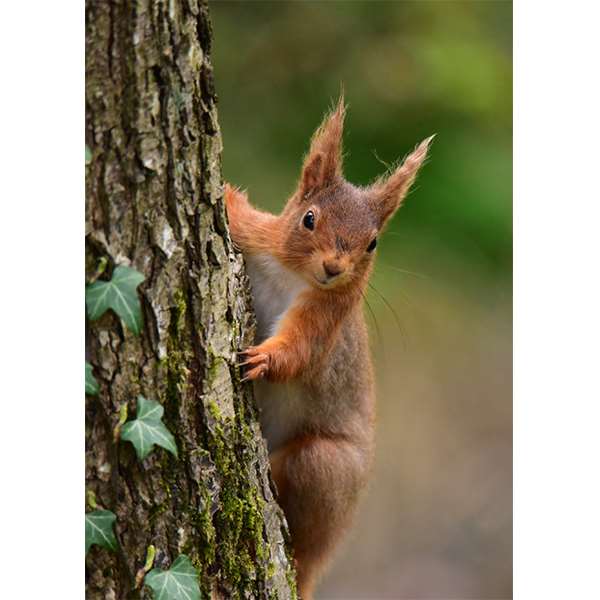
(372, 245)
(309, 220)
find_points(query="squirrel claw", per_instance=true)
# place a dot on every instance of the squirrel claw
(254, 360)
(258, 361)
(255, 373)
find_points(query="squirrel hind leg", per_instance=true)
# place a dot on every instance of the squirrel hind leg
(318, 481)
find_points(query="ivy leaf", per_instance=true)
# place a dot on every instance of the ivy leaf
(88, 155)
(99, 530)
(180, 582)
(148, 429)
(91, 385)
(118, 294)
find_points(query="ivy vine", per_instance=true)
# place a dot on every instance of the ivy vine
(119, 294)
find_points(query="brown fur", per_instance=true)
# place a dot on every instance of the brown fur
(321, 341)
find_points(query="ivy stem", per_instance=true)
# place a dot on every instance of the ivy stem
(139, 577)
(91, 499)
(150, 554)
(122, 418)
(99, 270)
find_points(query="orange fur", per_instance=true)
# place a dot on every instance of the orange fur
(320, 430)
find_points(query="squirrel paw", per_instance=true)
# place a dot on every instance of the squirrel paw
(256, 363)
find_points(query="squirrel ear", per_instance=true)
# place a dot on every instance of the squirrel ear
(323, 163)
(386, 194)
(312, 174)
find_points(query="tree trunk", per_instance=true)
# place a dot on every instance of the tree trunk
(154, 202)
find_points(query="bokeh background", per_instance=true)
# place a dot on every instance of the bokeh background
(437, 519)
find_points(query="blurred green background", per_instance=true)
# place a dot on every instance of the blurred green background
(437, 520)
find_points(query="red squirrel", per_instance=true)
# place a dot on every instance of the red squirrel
(308, 269)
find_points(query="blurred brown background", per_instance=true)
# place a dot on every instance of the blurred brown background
(437, 520)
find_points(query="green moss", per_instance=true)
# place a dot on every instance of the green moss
(240, 548)
(290, 575)
(213, 408)
(207, 530)
(181, 307)
(178, 352)
(156, 512)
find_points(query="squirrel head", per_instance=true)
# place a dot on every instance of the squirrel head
(331, 226)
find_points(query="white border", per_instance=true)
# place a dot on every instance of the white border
(557, 300)
(41, 306)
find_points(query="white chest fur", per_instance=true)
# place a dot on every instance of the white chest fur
(274, 290)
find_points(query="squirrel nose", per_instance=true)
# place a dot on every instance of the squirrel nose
(331, 269)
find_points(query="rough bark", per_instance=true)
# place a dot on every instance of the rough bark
(154, 202)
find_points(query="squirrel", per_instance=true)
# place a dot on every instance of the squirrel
(311, 366)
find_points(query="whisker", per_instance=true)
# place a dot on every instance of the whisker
(403, 295)
(391, 308)
(405, 271)
(377, 330)
(388, 166)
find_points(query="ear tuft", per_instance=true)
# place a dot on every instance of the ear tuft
(388, 192)
(323, 163)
